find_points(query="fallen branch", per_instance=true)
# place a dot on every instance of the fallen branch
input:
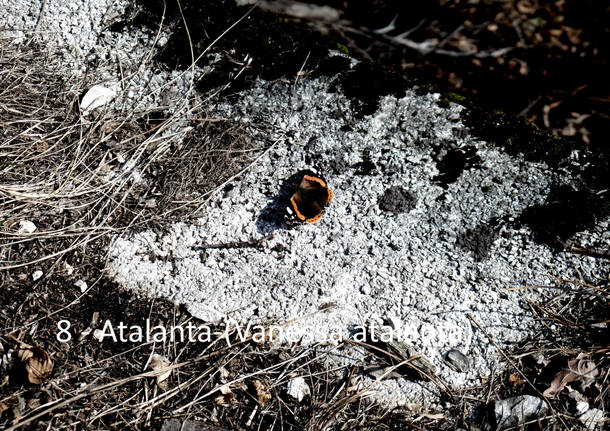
(236, 244)
(604, 254)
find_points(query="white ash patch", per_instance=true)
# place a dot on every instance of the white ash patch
(372, 264)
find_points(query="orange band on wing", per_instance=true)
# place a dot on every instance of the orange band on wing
(314, 219)
(302, 217)
(315, 179)
(296, 209)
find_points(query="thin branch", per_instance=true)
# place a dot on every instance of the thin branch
(236, 244)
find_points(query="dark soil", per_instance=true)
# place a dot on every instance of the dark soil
(397, 200)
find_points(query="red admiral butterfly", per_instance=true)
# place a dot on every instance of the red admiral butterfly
(310, 197)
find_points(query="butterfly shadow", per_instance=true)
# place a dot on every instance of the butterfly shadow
(274, 216)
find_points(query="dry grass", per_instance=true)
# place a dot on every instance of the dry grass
(573, 321)
(80, 178)
(234, 386)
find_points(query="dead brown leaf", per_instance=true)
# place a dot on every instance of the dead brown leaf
(516, 381)
(37, 363)
(526, 7)
(15, 405)
(262, 393)
(579, 369)
(573, 35)
(161, 366)
(227, 396)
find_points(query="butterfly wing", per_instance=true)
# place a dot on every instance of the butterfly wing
(311, 196)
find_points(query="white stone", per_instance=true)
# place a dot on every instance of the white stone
(81, 284)
(298, 388)
(26, 226)
(97, 96)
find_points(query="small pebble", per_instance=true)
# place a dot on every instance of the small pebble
(458, 361)
(82, 285)
(26, 226)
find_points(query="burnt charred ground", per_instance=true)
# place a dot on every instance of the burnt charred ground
(553, 72)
